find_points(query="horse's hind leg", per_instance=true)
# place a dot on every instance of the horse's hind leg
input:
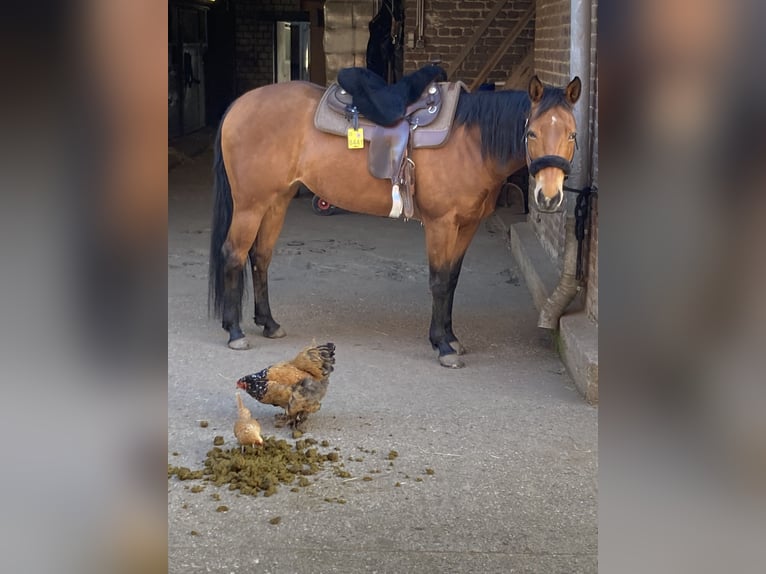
(240, 237)
(232, 302)
(260, 259)
(262, 315)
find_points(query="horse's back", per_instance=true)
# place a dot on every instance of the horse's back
(274, 104)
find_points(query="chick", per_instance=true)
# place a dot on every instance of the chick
(298, 386)
(246, 428)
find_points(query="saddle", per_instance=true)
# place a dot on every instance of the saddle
(416, 112)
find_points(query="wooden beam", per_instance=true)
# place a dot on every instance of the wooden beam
(503, 48)
(522, 70)
(458, 61)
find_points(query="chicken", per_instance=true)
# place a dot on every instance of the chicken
(298, 386)
(246, 429)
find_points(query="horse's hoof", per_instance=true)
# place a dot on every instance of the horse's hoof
(241, 344)
(277, 333)
(458, 347)
(451, 361)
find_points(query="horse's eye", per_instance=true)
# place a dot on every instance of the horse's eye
(531, 135)
(572, 137)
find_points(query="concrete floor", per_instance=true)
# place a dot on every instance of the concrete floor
(512, 444)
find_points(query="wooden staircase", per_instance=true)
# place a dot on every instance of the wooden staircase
(520, 73)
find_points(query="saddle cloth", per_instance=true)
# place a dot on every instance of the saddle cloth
(426, 124)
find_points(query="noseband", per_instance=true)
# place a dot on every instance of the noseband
(548, 161)
(535, 165)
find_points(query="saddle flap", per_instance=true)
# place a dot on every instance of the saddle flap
(387, 148)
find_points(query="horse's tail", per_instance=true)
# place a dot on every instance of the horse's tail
(222, 215)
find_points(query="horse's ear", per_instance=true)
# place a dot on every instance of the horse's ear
(573, 90)
(535, 89)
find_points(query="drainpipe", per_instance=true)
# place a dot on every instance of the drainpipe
(579, 58)
(567, 288)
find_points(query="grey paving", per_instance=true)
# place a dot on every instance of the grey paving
(577, 333)
(512, 444)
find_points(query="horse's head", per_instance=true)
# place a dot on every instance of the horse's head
(550, 139)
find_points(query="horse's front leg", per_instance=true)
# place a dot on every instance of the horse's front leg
(440, 334)
(446, 243)
(451, 337)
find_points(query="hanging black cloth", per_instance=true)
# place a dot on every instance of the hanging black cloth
(397, 42)
(380, 48)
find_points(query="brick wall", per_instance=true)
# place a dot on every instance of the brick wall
(449, 24)
(552, 67)
(552, 41)
(254, 31)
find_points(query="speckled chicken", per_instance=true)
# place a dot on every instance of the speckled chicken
(298, 386)
(246, 429)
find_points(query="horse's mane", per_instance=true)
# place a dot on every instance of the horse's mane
(500, 117)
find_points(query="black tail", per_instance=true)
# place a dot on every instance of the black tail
(222, 214)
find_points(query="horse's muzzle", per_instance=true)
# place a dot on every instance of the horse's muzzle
(549, 172)
(548, 204)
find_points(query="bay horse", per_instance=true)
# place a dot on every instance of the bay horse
(267, 146)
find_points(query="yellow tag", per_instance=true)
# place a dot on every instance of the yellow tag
(355, 138)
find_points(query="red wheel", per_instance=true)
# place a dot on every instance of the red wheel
(321, 207)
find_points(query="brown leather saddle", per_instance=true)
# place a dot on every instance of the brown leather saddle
(425, 123)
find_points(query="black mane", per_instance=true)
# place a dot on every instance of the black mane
(501, 116)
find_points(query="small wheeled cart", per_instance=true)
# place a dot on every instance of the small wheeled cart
(321, 207)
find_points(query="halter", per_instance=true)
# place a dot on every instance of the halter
(535, 165)
(582, 207)
(548, 161)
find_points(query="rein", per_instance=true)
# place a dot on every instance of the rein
(581, 213)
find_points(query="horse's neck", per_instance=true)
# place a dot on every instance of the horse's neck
(514, 165)
(499, 171)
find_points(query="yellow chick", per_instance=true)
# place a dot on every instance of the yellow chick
(246, 429)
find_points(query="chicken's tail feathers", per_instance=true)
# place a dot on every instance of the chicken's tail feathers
(327, 355)
(240, 404)
(319, 360)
